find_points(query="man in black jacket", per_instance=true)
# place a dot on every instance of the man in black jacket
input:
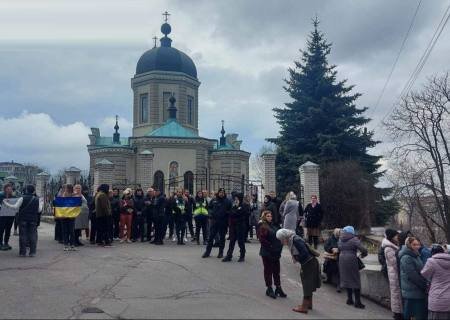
(115, 211)
(237, 227)
(220, 210)
(159, 216)
(148, 211)
(190, 202)
(28, 218)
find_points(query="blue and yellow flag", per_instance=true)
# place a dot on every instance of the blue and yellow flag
(67, 207)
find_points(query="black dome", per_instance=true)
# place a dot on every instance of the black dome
(166, 59)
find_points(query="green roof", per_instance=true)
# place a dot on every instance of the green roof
(227, 146)
(108, 141)
(173, 129)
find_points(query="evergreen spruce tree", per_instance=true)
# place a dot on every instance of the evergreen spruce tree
(322, 123)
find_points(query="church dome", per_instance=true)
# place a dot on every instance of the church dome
(166, 58)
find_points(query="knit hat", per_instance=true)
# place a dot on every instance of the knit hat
(390, 234)
(349, 229)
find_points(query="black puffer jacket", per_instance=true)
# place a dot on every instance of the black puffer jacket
(239, 214)
(220, 210)
(115, 205)
(138, 204)
(29, 210)
(159, 206)
(313, 216)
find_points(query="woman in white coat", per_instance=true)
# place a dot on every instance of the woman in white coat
(390, 246)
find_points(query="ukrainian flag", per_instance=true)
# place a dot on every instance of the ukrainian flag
(67, 207)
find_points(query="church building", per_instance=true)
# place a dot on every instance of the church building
(165, 149)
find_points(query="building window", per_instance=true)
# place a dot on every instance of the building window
(158, 181)
(143, 108)
(189, 181)
(190, 110)
(166, 97)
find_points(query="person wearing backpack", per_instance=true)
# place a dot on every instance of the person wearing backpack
(387, 256)
(30, 209)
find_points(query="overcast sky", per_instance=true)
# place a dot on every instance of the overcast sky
(65, 66)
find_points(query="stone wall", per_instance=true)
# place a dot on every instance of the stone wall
(269, 179)
(104, 173)
(309, 181)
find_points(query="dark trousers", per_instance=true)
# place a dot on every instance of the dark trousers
(27, 237)
(116, 225)
(357, 295)
(149, 220)
(93, 238)
(5, 229)
(104, 230)
(271, 270)
(16, 223)
(170, 224)
(138, 227)
(58, 230)
(237, 233)
(180, 227)
(68, 230)
(160, 228)
(217, 229)
(190, 225)
(201, 223)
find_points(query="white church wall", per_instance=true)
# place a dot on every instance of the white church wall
(164, 156)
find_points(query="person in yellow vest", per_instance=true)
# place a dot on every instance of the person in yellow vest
(201, 217)
(179, 211)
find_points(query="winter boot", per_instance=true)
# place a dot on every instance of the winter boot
(270, 293)
(350, 297)
(220, 255)
(303, 308)
(226, 259)
(358, 303)
(279, 292)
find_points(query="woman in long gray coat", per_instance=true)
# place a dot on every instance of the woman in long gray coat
(82, 220)
(291, 214)
(349, 245)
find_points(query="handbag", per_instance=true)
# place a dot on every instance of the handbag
(361, 264)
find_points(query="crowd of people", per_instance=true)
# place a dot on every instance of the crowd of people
(418, 276)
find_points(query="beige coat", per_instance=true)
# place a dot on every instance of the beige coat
(390, 251)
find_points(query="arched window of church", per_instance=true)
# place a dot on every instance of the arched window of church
(158, 180)
(166, 97)
(173, 174)
(189, 181)
(190, 110)
(143, 108)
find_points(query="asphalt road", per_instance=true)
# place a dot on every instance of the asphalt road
(145, 281)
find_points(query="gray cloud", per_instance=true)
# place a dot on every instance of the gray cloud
(74, 62)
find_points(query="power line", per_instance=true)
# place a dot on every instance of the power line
(397, 58)
(426, 54)
(437, 33)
